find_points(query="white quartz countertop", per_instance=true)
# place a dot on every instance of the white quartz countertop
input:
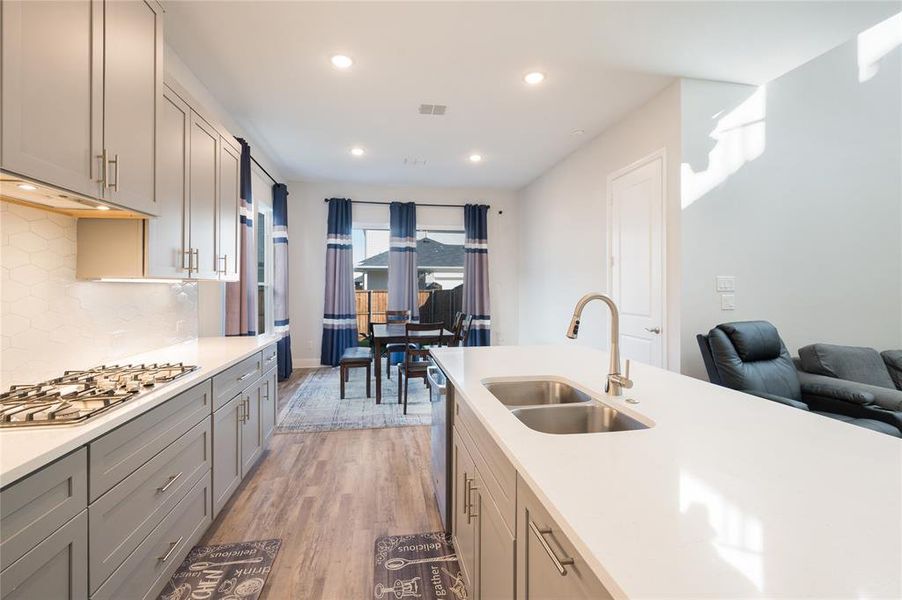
(728, 495)
(25, 450)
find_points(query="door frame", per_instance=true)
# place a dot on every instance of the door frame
(659, 154)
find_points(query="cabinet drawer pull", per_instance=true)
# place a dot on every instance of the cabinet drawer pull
(466, 495)
(558, 562)
(172, 547)
(246, 375)
(270, 359)
(172, 479)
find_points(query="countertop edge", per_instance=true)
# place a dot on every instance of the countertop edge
(121, 415)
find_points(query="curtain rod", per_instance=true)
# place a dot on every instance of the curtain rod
(417, 203)
(262, 168)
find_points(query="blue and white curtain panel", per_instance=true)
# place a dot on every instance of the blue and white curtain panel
(340, 310)
(280, 277)
(241, 296)
(402, 259)
(476, 274)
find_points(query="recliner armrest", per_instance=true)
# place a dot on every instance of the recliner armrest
(846, 394)
(780, 399)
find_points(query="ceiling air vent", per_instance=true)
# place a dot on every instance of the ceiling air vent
(415, 162)
(433, 109)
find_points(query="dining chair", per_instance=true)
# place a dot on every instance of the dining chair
(416, 353)
(463, 332)
(394, 317)
(455, 325)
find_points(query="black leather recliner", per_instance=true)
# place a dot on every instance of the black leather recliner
(749, 356)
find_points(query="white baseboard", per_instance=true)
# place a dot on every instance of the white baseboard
(305, 363)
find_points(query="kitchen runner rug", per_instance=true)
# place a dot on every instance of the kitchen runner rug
(317, 406)
(225, 572)
(422, 565)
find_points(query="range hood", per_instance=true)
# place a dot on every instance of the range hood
(20, 190)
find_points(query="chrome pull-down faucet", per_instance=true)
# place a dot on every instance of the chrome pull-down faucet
(616, 381)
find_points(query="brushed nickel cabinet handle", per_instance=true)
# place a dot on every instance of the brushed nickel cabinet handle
(104, 167)
(466, 495)
(558, 562)
(114, 185)
(224, 259)
(241, 411)
(172, 479)
(246, 375)
(470, 513)
(186, 254)
(172, 547)
(270, 359)
(195, 257)
(247, 409)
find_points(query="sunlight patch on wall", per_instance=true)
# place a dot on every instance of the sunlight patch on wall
(877, 42)
(737, 537)
(740, 137)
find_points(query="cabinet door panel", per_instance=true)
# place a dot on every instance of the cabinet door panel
(226, 451)
(251, 432)
(268, 403)
(464, 524)
(496, 549)
(202, 205)
(229, 203)
(167, 235)
(133, 77)
(56, 568)
(52, 97)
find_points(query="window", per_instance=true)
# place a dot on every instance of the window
(440, 274)
(262, 193)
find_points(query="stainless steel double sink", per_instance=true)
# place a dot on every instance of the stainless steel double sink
(552, 406)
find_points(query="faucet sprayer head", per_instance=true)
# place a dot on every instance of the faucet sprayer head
(573, 330)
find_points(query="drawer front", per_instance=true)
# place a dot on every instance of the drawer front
(269, 357)
(236, 378)
(146, 571)
(33, 508)
(122, 518)
(55, 568)
(121, 452)
(500, 477)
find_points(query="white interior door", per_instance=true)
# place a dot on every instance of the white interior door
(636, 196)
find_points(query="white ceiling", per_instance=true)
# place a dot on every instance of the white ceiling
(268, 64)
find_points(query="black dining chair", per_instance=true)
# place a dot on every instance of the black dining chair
(416, 353)
(463, 331)
(394, 317)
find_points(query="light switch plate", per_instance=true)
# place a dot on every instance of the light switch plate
(725, 283)
(728, 302)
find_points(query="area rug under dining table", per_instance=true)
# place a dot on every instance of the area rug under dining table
(316, 405)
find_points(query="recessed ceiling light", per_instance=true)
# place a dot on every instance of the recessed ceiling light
(340, 61)
(102, 207)
(534, 78)
(357, 151)
(27, 187)
(475, 158)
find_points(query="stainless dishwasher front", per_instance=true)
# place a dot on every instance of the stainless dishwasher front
(442, 397)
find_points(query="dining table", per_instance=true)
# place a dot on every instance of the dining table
(394, 333)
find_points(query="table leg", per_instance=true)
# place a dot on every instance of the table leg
(377, 359)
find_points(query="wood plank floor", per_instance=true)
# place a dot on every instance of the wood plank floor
(329, 495)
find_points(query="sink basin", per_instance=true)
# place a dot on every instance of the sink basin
(576, 418)
(532, 393)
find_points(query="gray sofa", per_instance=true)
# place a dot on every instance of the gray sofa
(873, 379)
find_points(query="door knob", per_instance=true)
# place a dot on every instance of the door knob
(655, 330)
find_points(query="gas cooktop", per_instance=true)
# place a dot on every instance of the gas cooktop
(80, 395)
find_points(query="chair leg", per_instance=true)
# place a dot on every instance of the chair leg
(342, 371)
(367, 380)
(388, 365)
(347, 374)
(400, 377)
(406, 381)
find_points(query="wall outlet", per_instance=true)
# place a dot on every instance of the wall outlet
(728, 302)
(725, 283)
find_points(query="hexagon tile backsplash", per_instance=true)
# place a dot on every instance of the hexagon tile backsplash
(50, 321)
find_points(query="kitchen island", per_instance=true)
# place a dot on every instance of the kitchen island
(724, 494)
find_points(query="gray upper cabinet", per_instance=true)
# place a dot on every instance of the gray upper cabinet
(133, 87)
(82, 84)
(228, 210)
(167, 235)
(52, 106)
(202, 187)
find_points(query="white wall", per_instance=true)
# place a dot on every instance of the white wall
(307, 214)
(798, 194)
(563, 227)
(50, 322)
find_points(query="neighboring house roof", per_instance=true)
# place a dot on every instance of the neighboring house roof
(430, 255)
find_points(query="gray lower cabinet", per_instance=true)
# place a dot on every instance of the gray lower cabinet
(269, 402)
(463, 517)
(227, 425)
(56, 568)
(496, 556)
(548, 566)
(251, 429)
(149, 567)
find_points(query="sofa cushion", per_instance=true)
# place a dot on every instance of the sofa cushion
(863, 365)
(753, 340)
(893, 360)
